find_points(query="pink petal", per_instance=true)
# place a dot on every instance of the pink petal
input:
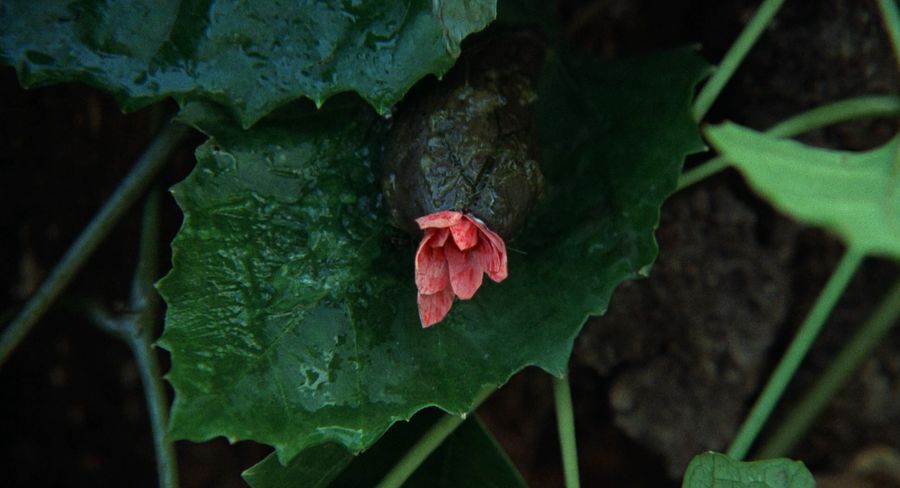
(486, 257)
(441, 219)
(491, 253)
(465, 272)
(465, 234)
(495, 238)
(440, 236)
(432, 274)
(433, 308)
(426, 241)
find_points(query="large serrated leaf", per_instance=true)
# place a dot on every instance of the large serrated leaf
(292, 314)
(468, 457)
(249, 56)
(856, 195)
(714, 470)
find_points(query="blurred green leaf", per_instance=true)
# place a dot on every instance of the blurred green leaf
(292, 308)
(249, 56)
(855, 194)
(315, 467)
(714, 470)
(470, 457)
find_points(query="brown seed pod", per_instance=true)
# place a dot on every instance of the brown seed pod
(468, 143)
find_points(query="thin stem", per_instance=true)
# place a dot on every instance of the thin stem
(420, 451)
(890, 15)
(734, 56)
(701, 172)
(869, 336)
(157, 407)
(146, 300)
(565, 420)
(143, 294)
(136, 328)
(794, 355)
(836, 112)
(121, 200)
(832, 113)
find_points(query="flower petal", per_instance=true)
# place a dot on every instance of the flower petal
(432, 274)
(433, 308)
(440, 236)
(465, 272)
(465, 234)
(490, 252)
(439, 220)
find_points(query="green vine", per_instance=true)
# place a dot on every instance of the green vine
(129, 191)
(794, 355)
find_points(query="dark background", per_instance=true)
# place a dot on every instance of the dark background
(670, 371)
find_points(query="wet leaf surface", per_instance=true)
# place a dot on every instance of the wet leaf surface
(469, 457)
(250, 56)
(292, 314)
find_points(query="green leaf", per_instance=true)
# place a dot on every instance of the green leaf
(714, 470)
(315, 467)
(292, 308)
(250, 56)
(371, 466)
(469, 457)
(855, 194)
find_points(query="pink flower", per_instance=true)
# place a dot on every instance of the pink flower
(451, 258)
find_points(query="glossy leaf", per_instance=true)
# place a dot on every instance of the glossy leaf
(856, 195)
(714, 470)
(292, 307)
(469, 457)
(249, 56)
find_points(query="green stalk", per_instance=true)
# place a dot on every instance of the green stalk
(423, 448)
(836, 112)
(131, 188)
(890, 15)
(141, 337)
(734, 56)
(701, 172)
(832, 113)
(420, 451)
(131, 329)
(157, 407)
(137, 329)
(869, 336)
(565, 420)
(794, 355)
